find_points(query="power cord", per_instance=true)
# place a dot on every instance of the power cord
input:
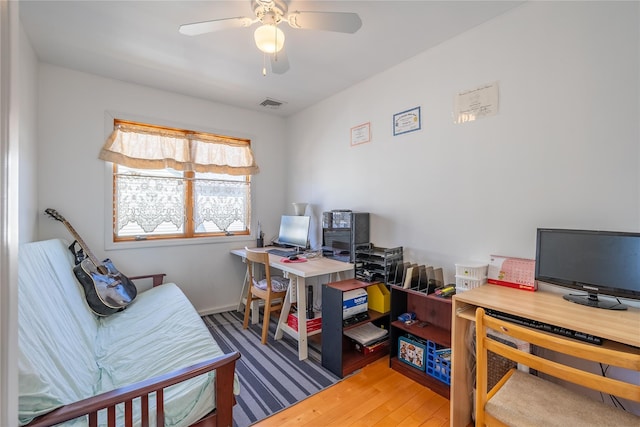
(616, 402)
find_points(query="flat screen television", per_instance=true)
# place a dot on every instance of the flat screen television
(595, 262)
(294, 231)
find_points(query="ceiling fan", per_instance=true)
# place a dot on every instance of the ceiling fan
(268, 37)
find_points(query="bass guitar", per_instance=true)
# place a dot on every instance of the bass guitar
(106, 290)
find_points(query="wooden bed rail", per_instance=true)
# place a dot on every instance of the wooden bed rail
(156, 279)
(224, 366)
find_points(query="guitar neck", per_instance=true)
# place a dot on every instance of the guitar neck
(83, 245)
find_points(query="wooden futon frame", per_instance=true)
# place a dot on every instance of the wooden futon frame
(222, 416)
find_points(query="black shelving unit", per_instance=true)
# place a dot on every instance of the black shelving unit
(338, 352)
(433, 310)
(375, 264)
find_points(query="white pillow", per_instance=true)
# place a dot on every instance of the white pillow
(278, 284)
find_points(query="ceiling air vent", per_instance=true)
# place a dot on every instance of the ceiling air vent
(271, 103)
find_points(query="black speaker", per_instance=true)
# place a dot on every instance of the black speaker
(310, 313)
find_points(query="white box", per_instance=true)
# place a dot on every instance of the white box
(472, 270)
(464, 283)
(354, 302)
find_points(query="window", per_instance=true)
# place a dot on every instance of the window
(165, 187)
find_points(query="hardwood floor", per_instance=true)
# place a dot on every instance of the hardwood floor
(375, 396)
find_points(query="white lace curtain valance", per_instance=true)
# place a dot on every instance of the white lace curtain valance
(150, 147)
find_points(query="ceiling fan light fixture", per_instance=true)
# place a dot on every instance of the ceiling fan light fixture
(269, 38)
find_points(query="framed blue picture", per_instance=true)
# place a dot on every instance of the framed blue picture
(411, 352)
(407, 121)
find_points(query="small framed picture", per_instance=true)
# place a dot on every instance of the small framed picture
(361, 134)
(411, 352)
(407, 121)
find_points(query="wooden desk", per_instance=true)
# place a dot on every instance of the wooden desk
(298, 272)
(617, 327)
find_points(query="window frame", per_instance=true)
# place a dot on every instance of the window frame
(189, 236)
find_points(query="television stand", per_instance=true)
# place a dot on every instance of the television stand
(617, 328)
(592, 300)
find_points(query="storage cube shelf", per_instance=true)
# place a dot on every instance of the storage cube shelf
(433, 315)
(339, 353)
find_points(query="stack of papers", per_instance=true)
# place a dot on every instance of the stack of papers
(366, 334)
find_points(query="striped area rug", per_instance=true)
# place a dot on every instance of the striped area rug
(271, 376)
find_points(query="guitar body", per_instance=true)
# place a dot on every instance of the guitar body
(105, 293)
(106, 289)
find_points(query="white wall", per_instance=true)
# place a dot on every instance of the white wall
(563, 150)
(17, 188)
(73, 109)
(28, 166)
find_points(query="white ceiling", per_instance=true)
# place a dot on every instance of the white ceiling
(138, 42)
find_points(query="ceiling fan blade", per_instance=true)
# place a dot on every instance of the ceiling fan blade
(342, 22)
(198, 28)
(279, 62)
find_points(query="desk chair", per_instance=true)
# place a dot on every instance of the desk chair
(522, 399)
(271, 290)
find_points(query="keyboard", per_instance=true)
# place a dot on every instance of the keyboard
(281, 252)
(592, 339)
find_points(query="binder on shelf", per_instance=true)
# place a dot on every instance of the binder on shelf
(400, 272)
(423, 279)
(439, 277)
(410, 275)
(428, 285)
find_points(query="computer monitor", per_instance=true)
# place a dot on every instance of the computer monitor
(294, 231)
(593, 261)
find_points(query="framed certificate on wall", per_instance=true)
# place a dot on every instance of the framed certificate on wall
(407, 121)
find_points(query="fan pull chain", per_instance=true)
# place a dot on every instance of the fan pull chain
(275, 54)
(264, 64)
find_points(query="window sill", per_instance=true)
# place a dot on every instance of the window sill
(158, 243)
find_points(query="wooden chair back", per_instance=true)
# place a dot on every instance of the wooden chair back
(273, 300)
(608, 354)
(257, 257)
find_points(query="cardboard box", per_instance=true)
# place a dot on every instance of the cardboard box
(354, 302)
(516, 273)
(312, 324)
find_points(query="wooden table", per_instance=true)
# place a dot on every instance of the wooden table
(298, 272)
(618, 328)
